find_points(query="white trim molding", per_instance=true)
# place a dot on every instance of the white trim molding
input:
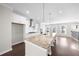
(17, 42)
(5, 51)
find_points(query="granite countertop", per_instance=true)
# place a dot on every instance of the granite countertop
(40, 40)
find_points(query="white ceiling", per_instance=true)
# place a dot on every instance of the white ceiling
(53, 12)
(35, 9)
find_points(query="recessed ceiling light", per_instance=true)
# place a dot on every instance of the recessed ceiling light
(27, 11)
(60, 12)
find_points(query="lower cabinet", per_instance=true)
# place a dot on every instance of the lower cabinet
(34, 50)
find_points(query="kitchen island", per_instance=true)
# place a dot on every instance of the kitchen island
(38, 45)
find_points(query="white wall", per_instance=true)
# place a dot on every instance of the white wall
(5, 29)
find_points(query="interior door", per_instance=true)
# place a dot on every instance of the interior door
(17, 33)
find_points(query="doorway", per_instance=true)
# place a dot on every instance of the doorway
(17, 33)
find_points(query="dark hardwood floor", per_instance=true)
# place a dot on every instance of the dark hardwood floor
(18, 50)
(65, 46)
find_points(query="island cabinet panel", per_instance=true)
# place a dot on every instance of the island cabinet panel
(34, 50)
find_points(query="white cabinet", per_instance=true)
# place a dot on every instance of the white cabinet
(34, 50)
(59, 28)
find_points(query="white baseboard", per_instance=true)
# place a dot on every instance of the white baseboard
(17, 42)
(5, 51)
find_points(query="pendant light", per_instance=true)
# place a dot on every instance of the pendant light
(43, 12)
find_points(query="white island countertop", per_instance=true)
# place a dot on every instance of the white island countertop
(40, 40)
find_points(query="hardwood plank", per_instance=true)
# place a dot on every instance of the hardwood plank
(18, 50)
(65, 46)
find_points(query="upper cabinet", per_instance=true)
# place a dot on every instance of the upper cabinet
(18, 19)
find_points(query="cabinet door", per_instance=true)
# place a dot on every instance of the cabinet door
(17, 33)
(34, 50)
